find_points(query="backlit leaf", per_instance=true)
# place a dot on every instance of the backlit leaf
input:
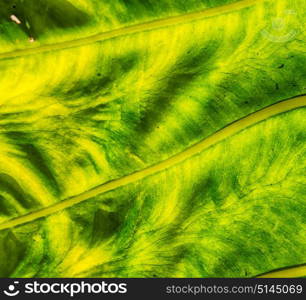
(152, 138)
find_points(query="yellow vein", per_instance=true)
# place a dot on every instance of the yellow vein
(291, 272)
(156, 24)
(213, 139)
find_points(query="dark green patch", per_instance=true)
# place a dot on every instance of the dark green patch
(105, 225)
(38, 161)
(4, 209)
(35, 157)
(98, 85)
(178, 79)
(12, 252)
(10, 186)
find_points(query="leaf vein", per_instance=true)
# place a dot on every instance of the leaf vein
(132, 29)
(218, 136)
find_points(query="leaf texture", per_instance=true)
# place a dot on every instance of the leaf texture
(196, 108)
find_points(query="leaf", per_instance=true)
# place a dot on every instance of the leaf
(152, 138)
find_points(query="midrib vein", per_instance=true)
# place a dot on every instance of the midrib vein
(290, 272)
(213, 139)
(151, 25)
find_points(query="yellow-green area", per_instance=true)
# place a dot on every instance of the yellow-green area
(152, 138)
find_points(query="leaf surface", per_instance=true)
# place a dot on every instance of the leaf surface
(152, 138)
